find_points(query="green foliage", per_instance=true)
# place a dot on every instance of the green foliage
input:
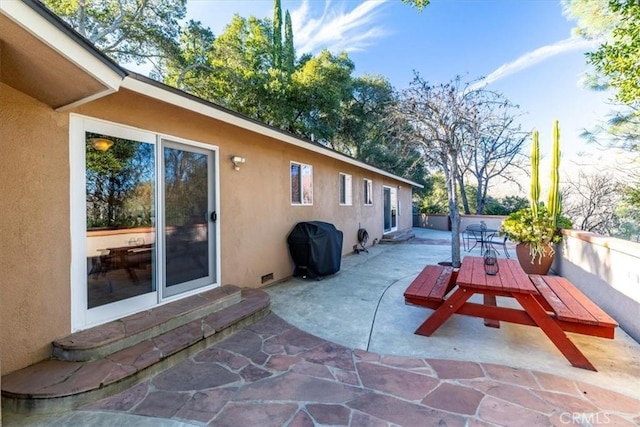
(506, 205)
(119, 184)
(594, 18)
(318, 89)
(537, 229)
(418, 4)
(628, 212)
(538, 225)
(288, 50)
(277, 34)
(618, 58)
(126, 30)
(249, 69)
(189, 70)
(436, 200)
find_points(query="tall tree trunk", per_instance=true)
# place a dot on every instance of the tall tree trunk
(480, 197)
(463, 195)
(451, 176)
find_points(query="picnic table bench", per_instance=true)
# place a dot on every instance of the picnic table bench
(549, 302)
(429, 288)
(572, 309)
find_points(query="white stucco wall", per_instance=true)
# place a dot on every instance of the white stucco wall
(607, 270)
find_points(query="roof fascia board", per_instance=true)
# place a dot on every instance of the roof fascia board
(51, 31)
(183, 100)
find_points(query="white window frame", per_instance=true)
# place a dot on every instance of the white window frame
(345, 189)
(306, 184)
(367, 192)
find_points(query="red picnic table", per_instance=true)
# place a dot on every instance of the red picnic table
(549, 302)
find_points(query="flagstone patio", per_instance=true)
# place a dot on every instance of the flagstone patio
(341, 351)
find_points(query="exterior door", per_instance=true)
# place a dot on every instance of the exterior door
(390, 207)
(189, 218)
(143, 220)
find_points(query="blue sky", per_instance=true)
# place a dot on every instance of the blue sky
(524, 49)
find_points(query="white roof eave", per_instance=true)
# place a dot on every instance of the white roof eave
(59, 40)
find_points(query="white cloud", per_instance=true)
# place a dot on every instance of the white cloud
(337, 30)
(536, 56)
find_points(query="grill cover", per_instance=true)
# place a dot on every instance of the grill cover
(316, 248)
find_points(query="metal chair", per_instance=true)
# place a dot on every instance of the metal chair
(493, 242)
(471, 235)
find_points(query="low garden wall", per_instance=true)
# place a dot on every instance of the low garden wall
(441, 222)
(607, 270)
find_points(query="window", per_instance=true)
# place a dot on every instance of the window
(301, 184)
(346, 192)
(368, 192)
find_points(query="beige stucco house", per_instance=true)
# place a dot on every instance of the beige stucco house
(189, 196)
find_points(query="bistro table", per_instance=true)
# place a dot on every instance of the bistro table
(481, 234)
(512, 282)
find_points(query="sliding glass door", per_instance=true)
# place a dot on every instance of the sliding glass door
(189, 217)
(148, 220)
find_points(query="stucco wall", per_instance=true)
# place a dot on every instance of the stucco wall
(255, 212)
(34, 229)
(607, 270)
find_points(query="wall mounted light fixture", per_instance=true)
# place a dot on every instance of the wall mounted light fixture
(237, 161)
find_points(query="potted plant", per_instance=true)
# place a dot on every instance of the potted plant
(537, 228)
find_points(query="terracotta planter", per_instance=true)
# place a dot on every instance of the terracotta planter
(539, 266)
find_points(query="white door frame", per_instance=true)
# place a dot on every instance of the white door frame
(81, 316)
(392, 210)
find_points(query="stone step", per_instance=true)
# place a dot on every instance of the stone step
(397, 237)
(98, 342)
(61, 385)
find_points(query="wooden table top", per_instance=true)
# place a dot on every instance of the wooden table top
(511, 278)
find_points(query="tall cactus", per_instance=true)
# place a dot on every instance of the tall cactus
(553, 203)
(535, 179)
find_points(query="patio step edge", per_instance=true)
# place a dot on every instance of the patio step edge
(55, 385)
(397, 237)
(103, 340)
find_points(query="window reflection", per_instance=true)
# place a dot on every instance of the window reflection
(186, 207)
(120, 186)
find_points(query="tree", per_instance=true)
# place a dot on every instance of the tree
(126, 30)
(418, 4)
(288, 50)
(617, 23)
(319, 87)
(439, 117)
(362, 116)
(277, 34)
(435, 201)
(506, 205)
(618, 58)
(240, 68)
(188, 70)
(494, 148)
(590, 201)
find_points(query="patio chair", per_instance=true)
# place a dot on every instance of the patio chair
(494, 241)
(471, 235)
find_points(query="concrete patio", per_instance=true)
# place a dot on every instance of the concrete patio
(341, 351)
